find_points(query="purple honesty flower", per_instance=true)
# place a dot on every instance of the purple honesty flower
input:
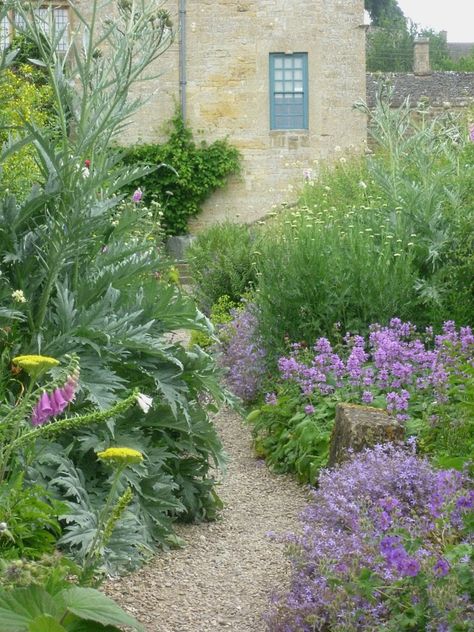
(309, 409)
(367, 397)
(394, 361)
(137, 196)
(471, 133)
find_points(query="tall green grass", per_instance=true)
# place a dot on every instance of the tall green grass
(384, 236)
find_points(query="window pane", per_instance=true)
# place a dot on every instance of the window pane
(61, 22)
(288, 99)
(19, 22)
(4, 32)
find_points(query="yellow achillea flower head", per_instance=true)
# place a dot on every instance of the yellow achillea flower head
(35, 364)
(120, 456)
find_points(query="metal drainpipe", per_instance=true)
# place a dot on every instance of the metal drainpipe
(182, 57)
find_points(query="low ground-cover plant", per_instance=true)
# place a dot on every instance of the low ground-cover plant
(187, 173)
(396, 368)
(386, 545)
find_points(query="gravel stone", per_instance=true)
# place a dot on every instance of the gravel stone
(223, 578)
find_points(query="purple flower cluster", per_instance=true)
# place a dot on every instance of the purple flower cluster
(385, 513)
(242, 353)
(395, 361)
(52, 404)
(396, 557)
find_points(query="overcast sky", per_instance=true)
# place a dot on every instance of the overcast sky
(454, 16)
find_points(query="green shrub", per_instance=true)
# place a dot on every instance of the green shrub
(22, 102)
(186, 174)
(222, 262)
(349, 266)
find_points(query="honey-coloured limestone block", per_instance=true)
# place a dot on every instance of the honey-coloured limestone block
(358, 427)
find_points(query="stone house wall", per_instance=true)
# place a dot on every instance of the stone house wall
(228, 43)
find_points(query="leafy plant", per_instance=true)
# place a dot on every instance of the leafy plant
(22, 103)
(72, 609)
(220, 315)
(29, 520)
(50, 571)
(407, 217)
(81, 276)
(187, 173)
(290, 437)
(447, 434)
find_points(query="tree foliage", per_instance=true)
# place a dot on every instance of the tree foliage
(390, 47)
(383, 11)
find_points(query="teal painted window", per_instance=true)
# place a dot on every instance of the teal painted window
(288, 91)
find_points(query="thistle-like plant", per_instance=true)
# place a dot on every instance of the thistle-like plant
(80, 276)
(90, 85)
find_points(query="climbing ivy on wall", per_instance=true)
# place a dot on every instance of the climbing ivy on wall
(187, 173)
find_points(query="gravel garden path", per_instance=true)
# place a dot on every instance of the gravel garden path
(222, 578)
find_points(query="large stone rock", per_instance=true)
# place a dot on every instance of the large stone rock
(358, 427)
